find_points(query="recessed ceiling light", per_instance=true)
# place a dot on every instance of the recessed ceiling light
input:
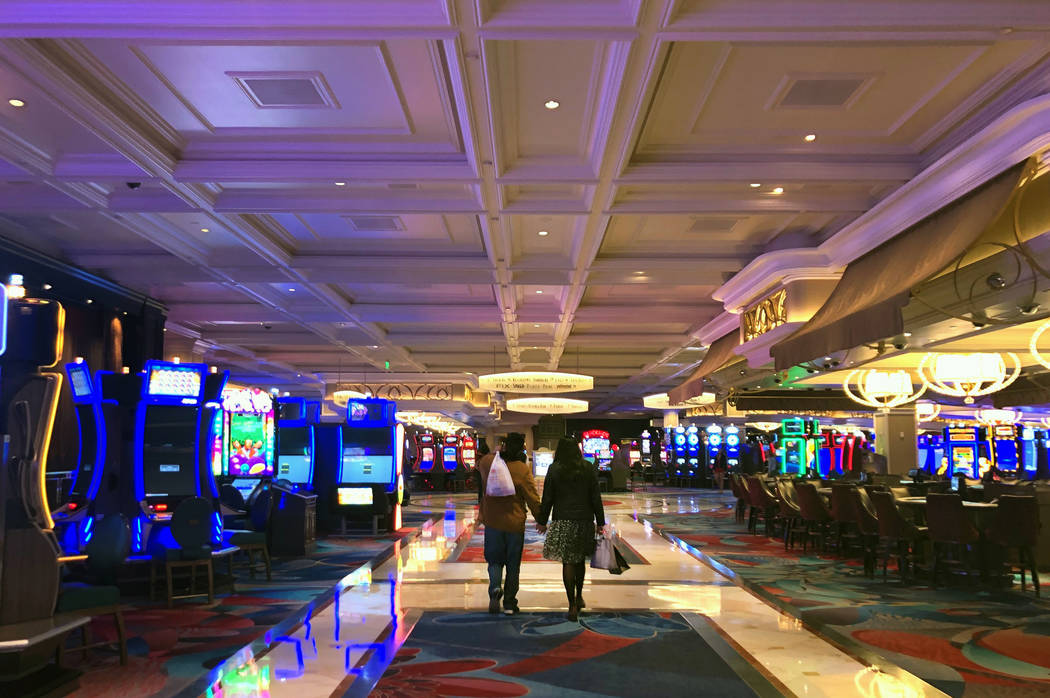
(755, 185)
(340, 184)
(543, 233)
(536, 325)
(907, 334)
(47, 287)
(552, 104)
(89, 301)
(291, 290)
(778, 190)
(810, 137)
(539, 291)
(15, 102)
(205, 230)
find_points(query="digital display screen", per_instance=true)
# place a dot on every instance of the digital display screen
(450, 454)
(80, 380)
(1006, 431)
(595, 444)
(360, 467)
(249, 443)
(962, 433)
(541, 463)
(169, 467)
(294, 468)
(245, 487)
(292, 410)
(365, 411)
(354, 496)
(174, 381)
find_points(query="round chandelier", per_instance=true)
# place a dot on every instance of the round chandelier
(968, 375)
(341, 397)
(764, 426)
(542, 382)
(990, 417)
(1033, 344)
(881, 389)
(926, 410)
(546, 405)
(661, 401)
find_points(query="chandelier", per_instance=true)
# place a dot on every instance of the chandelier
(661, 401)
(546, 405)
(881, 389)
(543, 382)
(1033, 344)
(926, 411)
(990, 417)
(764, 426)
(968, 375)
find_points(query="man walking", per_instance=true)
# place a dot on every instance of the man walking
(504, 520)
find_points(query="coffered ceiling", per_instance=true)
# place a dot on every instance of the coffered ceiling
(326, 186)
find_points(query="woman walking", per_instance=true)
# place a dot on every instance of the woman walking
(571, 492)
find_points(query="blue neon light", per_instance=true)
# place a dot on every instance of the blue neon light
(87, 392)
(89, 529)
(3, 319)
(136, 534)
(217, 528)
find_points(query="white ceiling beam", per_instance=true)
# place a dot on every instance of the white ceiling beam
(655, 204)
(779, 168)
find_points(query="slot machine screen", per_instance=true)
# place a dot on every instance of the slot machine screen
(364, 411)
(80, 380)
(367, 456)
(293, 468)
(175, 381)
(251, 449)
(449, 454)
(541, 463)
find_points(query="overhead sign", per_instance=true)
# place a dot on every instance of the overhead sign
(768, 314)
(247, 400)
(546, 405)
(535, 382)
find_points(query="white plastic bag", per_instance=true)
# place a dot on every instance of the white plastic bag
(500, 483)
(604, 557)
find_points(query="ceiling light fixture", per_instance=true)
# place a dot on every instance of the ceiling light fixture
(881, 389)
(661, 401)
(340, 184)
(341, 397)
(1033, 344)
(926, 410)
(15, 102)
(535, 325)
(810, 137)
(778, 190)
(539, 291)
(764, 426)
(968, 375)
(46, 287)
(552, 104)
(755, 185)
(543, 233)
(205, 230)
(547, 405)
(990, 417)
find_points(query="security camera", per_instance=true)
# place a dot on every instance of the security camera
(811, 370)
(743, 372)
(133, 185)
(899, 345)
(995, 281)
(267, 327)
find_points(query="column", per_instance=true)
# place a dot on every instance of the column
(670, 419)
(896, 438)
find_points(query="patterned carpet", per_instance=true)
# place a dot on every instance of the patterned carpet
(170, 649)
(542, 654)
(964, 641)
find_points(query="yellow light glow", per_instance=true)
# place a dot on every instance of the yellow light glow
(991, 417)
(968, 375)
(881, 389)
(1033, 344)
(542, 382)
(341, 397)
(547, 405)
(764, 426)
(661, 401)
(925, 411)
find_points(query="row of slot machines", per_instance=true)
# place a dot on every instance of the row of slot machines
(1016, 450)
(454, 452)
(803, 448)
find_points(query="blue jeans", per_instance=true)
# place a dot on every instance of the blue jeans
(503, 549)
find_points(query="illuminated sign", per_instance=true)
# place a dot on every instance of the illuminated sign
(246, 401)
(546, 405)
(354, 496)
(535, 382)
(173, 380)
(768, 314)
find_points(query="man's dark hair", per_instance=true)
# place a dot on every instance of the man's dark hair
(513, 447)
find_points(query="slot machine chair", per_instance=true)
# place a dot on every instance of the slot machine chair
(191, 526)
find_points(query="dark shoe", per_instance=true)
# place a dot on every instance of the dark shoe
(494, 601)
(580, 605)
(573, 614)
(511, 610)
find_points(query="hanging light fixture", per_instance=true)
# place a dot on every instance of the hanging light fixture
(341, 397)
(990, 417)
(764, 426)
(881, 389)
(1033, 344)
(546, 405)
(926, 410)
(542, 382)
(968, 375)
(661, 401)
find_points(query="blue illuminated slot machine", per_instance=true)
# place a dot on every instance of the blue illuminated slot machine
(1029, 451)
(295, 442)
(732, 445)
(370, 480)
(450, 453)
(931, 453)
(679, 450)
(172, 429)
(692, 442)
(713, 443)
(793, 447)
(1006, 454)
(425, 455)
(966, 449)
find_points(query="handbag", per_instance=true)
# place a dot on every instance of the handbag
(499, 482)
(604, 557)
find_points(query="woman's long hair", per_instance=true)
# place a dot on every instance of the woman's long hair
(568, 456)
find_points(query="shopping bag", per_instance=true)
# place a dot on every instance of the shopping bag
(621, 563)
(604, 557)
(500, 483)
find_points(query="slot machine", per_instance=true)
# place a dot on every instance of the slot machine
(468, 453)
(450, 453)
(793, 447)
(296, 442)
(634, 451)
(370, 480)
(732, 445)
(966, 450)
(248, 436)
(712, 443)
(646, 446)
(171, 436)
(825, 456)
(424, 452)
(1005, 452)
(1029, 451)
(679, 451)
(692, 444)
(596, 446)
(931, 453)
